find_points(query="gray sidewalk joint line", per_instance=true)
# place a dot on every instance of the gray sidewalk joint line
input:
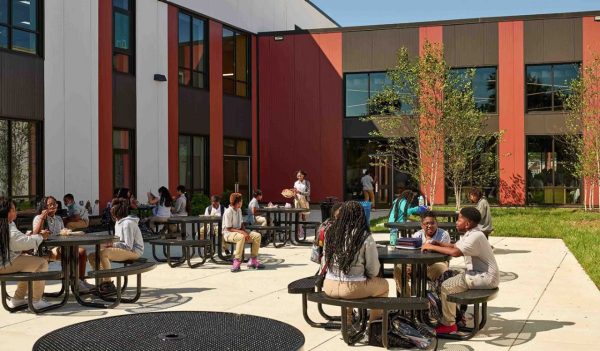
(326, 341)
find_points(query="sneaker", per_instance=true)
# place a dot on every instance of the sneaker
(255, 263)
(85, 287)
(41, 304)
(107, 288)
(14, 303)
(446, 329)
(236, 265)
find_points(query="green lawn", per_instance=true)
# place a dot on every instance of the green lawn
(578, 229)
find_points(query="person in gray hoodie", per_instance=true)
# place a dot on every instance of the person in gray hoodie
(129, 247)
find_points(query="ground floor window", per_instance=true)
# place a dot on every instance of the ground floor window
(550, 179)
(193, 163)
(236, 166)
(124, 159)
(20, 161)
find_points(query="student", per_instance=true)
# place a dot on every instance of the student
(351, 259)
(476, 197)
(234, 232)
(48, 220)
(215, 208)
(162, 210)
(12, 244)
(401, 207)
(77, 217)
(482, 270)
(324, 227)
(367, 187)
(129, 247)
(302, 193)
(125, 193)
(182, 205)
(253, 207)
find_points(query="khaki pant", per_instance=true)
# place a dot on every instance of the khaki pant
(372, 287)
(454, 285)
(78, 224)
(369, 196)
(433, 272)
(111, 253)
(260, 220)
(239, 241)
(30, 264)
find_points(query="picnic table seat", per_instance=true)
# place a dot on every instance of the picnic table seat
(188, 248)
(28, 277)
(478, 298)
(304, 287)
(136, 268)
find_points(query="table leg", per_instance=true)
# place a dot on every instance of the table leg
(225, 259)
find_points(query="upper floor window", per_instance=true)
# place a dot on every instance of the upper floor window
(360, 87)
(19, 25)
(123, 36)
(236, 60)
(484, 87)
(546, 85)
(192, 51)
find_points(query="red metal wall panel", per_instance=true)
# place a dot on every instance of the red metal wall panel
(105, 159)
(173, 97)
(215, 55)
(511, 107)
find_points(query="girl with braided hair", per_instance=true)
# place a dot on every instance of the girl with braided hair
(12, 243)
(351, 258)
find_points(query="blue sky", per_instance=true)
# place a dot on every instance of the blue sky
(368, 12)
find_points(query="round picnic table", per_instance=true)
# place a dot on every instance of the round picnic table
(212, 226)
(451, 216)
(69, 253)
(184, 330)
(283, 216)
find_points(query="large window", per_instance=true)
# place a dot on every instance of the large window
(192, 51)
(123, 36)
(547, 83)
(192, 163)
(20, 28)
(484, 87)
(236, 60)
(20, 160)
(550, 178)
(360, 87)
(123, 159)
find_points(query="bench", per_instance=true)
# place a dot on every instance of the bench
(475, 297)
(29, 277)
(135, 268)
(306, 286)
(185, 247)
(270, 234)
(128, 263)
(306, 225)
(379, 303)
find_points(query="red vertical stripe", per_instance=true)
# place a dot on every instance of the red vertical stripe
(254, 94)
(511, 107)
(105, 152)
(173, 97)
(215, 54)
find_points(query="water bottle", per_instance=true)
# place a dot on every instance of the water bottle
(421, 201)
(393, 237)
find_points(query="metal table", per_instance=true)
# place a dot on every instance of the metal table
(209, 223)
(451, 216)
(70, 262)
(286, 213)
(408, 228)
(175, 331)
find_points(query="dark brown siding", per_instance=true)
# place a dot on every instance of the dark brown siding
(375, 50)
(355, 128)
(553, 40)
(237, 117)
(21, 86)
(124, 101)
(193, 111)
(545, 123)
(471, 45)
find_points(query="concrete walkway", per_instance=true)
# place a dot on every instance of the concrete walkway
(546, 301)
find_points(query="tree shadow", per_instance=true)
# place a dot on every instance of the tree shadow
(508, 276)
(157, 299)
(512, 191)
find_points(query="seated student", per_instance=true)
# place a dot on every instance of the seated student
(253, 206)
(182, 205)
(234, 232)
(48, 221)
(476, 196)
(162, 210)
(482, 270)
(126, 194)
(324, 227)
(351, 259)
(77, 217)
(214, 209)
(12, 244)
(129, 247)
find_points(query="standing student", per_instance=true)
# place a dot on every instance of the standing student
(253, 208)
(12, 244)
(77, 217)
(302, 196)
(482, 205)
(401, 207)
(368, 183)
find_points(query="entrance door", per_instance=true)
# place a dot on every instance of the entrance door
(384, 179)
(236, 175)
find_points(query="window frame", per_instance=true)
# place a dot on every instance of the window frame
(38, 32)
(553, 108)
(368, 73)
(131, 151)
(205, 141)
(205, 72)
(130, 53)
(247, 82)
(495, 112)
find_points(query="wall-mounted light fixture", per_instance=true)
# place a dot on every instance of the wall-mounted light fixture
(278, 37)
(597, 18)
(160, 78)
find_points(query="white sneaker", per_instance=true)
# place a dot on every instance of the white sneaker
(41, 304)
(85, 286)
(14, 303)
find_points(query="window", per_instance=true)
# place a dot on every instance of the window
(550, 179)
(236, 166)
(360, 87)
(123, 36)
(123, 159)
(19, 25)
(546, 84)
(192, 51)
(236, 60)
(192, 163)
(484, 87)
(20, 161)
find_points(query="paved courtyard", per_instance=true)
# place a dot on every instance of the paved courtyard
(546, 301)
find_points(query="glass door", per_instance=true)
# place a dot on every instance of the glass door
(383, 175)
(236, 175)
